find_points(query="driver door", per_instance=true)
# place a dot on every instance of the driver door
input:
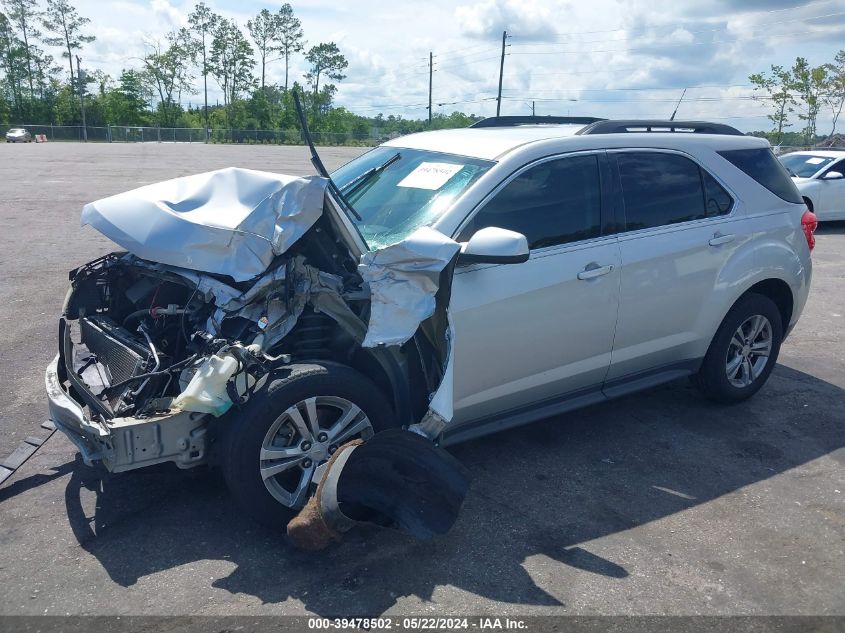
(832, 194)
(544, 328)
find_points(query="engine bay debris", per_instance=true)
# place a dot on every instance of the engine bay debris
(229, 277)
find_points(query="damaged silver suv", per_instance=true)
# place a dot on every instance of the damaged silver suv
(451, 283)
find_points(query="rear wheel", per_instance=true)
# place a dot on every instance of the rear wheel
(743, 352)
(275, 444)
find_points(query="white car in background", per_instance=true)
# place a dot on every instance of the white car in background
(820, 177)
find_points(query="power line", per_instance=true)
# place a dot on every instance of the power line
(657, 100)
(637, 89)
(458, 50)
(453, 66)
(472, 101)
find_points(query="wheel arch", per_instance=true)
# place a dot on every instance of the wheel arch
(776, 289)
(809, 202)
(391, 376)
(780, 294)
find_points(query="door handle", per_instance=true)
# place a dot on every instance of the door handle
(594, 270)
(719, 239)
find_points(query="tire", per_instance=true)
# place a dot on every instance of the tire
(732, 372)
(247, 433)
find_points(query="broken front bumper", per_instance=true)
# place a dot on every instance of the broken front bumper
(126, 443)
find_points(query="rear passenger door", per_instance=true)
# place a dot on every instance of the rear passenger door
(679, 229)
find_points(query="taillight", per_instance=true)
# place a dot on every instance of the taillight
(809, 223)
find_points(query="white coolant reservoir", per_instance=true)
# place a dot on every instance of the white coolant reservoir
(206, 392)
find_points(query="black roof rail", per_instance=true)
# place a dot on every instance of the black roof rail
(656, 125)
(511, 121)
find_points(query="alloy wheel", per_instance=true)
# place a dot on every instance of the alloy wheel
(749, 351)
(303, 438)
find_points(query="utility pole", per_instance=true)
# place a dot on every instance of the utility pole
(533, 111)
(81, 80)
(430, 78)
(205, 86)
(501, 72)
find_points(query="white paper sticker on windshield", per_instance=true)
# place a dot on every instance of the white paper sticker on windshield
(815, 161)
(430, 175)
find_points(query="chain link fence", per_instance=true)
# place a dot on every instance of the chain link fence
(142, 134)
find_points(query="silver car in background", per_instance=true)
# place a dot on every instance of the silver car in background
(18, 135)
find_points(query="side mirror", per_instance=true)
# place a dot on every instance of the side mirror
(833, 175)
(493, 245)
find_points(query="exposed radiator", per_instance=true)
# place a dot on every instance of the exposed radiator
(122, 356)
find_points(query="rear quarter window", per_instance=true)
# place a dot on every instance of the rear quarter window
(761, 165)
(660, 189)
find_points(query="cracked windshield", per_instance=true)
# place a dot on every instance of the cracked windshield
(395, 196)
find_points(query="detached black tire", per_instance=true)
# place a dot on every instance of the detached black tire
(743, 351)
(290, 426)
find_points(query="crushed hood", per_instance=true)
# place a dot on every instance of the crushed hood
(229, 222)
(234, 222)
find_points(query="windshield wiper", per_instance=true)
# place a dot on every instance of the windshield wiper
(356, 183)
(318, 163)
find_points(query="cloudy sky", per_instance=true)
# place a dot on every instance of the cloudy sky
(610, 58)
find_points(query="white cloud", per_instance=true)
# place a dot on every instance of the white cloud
(167, 12)
(531, 19)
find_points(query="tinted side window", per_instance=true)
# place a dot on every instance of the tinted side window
(763, 167)
(659, 189)
(717, 201)
(553, 203)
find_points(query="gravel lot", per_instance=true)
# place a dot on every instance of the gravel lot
(660, 503)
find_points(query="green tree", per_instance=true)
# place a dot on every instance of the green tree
(834, 96)
(291, 36)
(45, 70)
(231, 61)
(125, 104)
(777, 85)
(39, 104)
(202, 22)
(325, 59)
(167, 70)
(810, 84)
(5, 110)
(266, 106)
(62, 19)
(264, 30)
(11, 62)
(23, 14)
(67, 106)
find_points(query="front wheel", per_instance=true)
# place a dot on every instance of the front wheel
(272, 447)
(743, 352)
